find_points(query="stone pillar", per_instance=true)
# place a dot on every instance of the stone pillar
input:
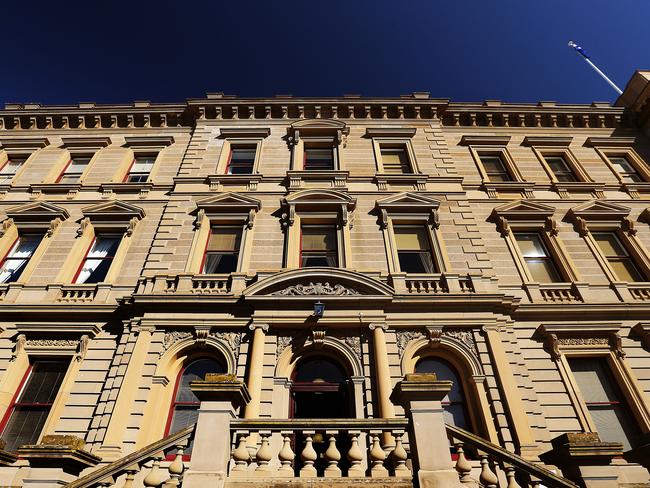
(512, 399)
(56, 461)
(112, 444)
(421, 396)
(584, 459)
(220, 396)
(384, 384)
(256, 370)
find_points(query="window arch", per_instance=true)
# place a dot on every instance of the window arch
(184, 409)
(455, 402)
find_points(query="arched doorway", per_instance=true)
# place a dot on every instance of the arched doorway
(320, 389)
(455, 403)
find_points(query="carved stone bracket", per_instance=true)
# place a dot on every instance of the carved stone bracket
(6, 225)
(642, 332)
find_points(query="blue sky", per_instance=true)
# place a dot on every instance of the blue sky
(513, 50)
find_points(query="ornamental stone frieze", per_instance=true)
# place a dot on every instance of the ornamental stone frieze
(316, 289)
(435, 335)
(232, 339)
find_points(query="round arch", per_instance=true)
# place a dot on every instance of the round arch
(331, 346)
(464, 360)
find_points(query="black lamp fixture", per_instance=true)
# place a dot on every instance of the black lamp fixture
(319, 309)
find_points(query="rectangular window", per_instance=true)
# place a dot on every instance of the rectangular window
(74, 169)
(617, 256)
(99, 258)
(11, 167)
(625, 169)
(395, 160)
(560, 168)
(319, 246)
(242, 160)
(538, 259)
(141, 168)
(603, 398)
(222, 252)
(28, 412)
(318, 158)
(495, 168)
(414, 249)
(18, 256)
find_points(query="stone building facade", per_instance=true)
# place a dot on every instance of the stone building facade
(280, 268)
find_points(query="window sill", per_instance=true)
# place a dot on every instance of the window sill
(336, 178)
(636, 189)
(565, 188)
(493, 188)
(55, 187)
(250, 181)
(417, 181)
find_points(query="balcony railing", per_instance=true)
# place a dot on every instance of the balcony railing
(320, 448)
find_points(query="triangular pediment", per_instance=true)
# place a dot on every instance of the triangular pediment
(37, 212)
(408, 200)
(113, 210)
(229, 201)
(524, 209)
(324, 283)
(600, 210)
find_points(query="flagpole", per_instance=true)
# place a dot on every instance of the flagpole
(580, 51)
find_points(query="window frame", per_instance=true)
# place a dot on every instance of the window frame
(570, 160)
(504, 154)
(79, 180)
(632, 158)
(85, 257)
(431, 238)
(551, 256)
(7, 159)
(328, 225)
(380, 143)
(226, 152)
(242, 228)
(141, 154)
(13, 246)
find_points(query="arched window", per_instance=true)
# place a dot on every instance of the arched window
(454, 403)
(320, 389)
(184, 410)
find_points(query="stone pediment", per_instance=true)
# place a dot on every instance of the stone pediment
(320, 283)
(600, 210)
(113, 211)
(229, 202)
(524, 209)
(40, 212)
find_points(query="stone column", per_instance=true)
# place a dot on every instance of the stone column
(256, 370)
(421, 396)
(112, 444)
(220, 396)
(384, 384)
(512, 398)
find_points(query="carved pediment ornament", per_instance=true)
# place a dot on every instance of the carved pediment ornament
(6, 225)
(79, 346)
(201, 336)
(317, 288)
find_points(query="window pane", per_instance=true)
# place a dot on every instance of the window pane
(319, 158)
(24, 426)
(322, 259)
(495, 168)
(242, 160)
(195, 371)
(99, 259)
(543, 270)
(43, 382)
(143, 164)
(416, 262)
(395, 160)
(625, 270)
(104, 246)
(531, 245)
(218, 263)
(560, 168)
(18, 257)
(225, 239)
(610, 244)
(10, 168)
(318, 238)
(320, 370)
(411, 238)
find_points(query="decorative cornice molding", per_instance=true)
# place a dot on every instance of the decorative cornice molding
(253, 132)
(547, 140)
(610, 141)
(405, 132)
(85, 143)
(484, 140)
(28, 144)
(580, 334)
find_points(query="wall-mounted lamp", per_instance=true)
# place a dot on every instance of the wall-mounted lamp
(319, 308)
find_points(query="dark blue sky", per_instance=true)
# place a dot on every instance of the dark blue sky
(514, 50)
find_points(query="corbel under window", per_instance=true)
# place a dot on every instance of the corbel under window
(318, 208)
(496, 166)
(103, 238)
(412, 237)
(223, 234)
(611, 237)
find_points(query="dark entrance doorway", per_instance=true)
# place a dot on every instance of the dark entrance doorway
(321, 389)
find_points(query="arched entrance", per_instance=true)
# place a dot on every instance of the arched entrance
(320, 389)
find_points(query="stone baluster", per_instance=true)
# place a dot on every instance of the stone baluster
(240, 454)
(107, 482)
(176, 468)
(377, 458)
(400, 457)
(463, 466)
(510, 476)
(131, 471)
(264, 455)
(308, 457)
(286, 456)
(355, 456)
(156, 476)
(332, 456)
(487, 478)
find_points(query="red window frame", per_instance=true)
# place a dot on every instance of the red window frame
(85, 258)
(12, 404)
(207, 243)
(230, 159)
(60, 177)
(128, 172)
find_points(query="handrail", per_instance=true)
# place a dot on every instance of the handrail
(546, 476)
(134, 458)
(318, 424)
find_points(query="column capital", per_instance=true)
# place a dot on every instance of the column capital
(378, 325)
(258, 325)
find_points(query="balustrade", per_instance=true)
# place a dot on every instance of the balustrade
(432, 284)
(327, 448)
